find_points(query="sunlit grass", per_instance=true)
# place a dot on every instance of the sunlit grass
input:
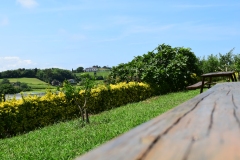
(27, 80)
(34, 83)
(98, 73)
(66, 140)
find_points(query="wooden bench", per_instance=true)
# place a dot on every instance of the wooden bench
(206, 127)
(230, 74)
(196, 85)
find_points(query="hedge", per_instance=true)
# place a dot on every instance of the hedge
(31, 112)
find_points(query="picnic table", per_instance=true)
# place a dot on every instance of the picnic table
(207, 127)
(230, 74)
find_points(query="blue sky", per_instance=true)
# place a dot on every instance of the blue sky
(72, 33)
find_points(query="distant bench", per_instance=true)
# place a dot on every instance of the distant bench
(201, 84)
(229, 74)
(196, 85)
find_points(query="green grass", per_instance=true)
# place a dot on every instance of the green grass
(27, 80)
(34, 83)
(67, 140)
(98, 73)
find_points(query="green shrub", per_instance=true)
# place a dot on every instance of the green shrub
(167, 69)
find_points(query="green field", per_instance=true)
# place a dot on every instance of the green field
(34, 83)
(98, 73)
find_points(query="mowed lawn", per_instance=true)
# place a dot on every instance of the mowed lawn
(34, 83)
(98, 73)
(67, 140)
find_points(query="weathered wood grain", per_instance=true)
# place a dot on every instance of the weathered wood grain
(205, 127)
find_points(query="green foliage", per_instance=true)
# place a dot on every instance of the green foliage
(72, 94)
(46, 75)
(237, 62)
(165, 68)
(21, 72)
(211, 64)
(21, 87)
(227, 61)
(220, 62)
(79, 70)
(7, 88)
(5, 81)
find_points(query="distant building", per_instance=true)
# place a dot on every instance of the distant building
(91, 69)
(72, 81)
(56, 83)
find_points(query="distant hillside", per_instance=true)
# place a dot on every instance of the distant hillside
(34, 83)
(102, 72)
(46, 75)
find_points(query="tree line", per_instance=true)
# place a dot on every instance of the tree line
(220, 62)
(46, 75)
(11, 88)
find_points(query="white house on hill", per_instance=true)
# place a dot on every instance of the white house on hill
(91, 69)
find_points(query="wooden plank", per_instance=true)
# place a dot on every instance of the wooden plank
(182, 136)
(205, 127)
(223, 139)
(210, 137)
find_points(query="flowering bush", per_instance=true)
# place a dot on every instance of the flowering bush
(31, 112)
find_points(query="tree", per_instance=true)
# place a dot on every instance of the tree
(5, 81)
(106, 67)
(72, 93)
(165, 68)
(24, 87)
(220, 62)
(96, 66)
(6, 88)
(212, 64)
(237, 64)
(28, 73)
(226, 61)
(48, 75)
(80, 69)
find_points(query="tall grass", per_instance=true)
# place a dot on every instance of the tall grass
(66, 140)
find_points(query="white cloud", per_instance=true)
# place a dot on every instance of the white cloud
(27, 3)
(4, 21)
(8, 63)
